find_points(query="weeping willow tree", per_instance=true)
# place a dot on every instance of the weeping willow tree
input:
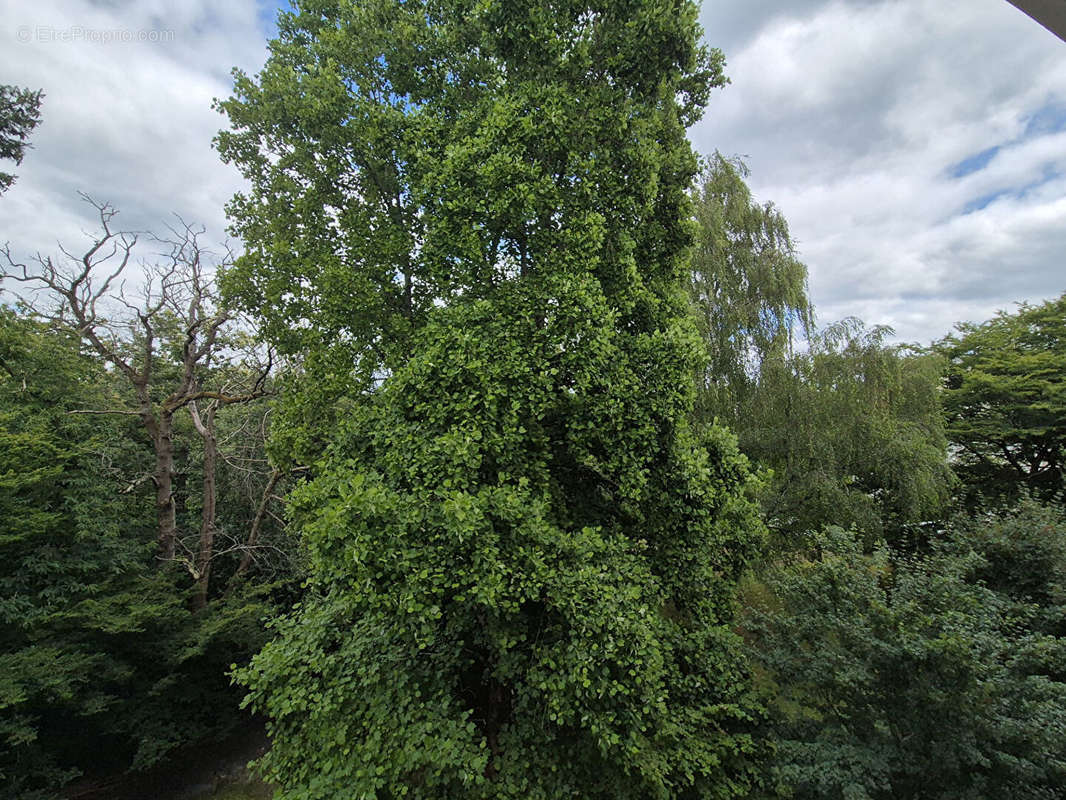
(523, 558)
(854, 433)
(748, 288)
(848, 425)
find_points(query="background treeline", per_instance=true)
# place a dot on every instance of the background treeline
(906, 622)
(652, 533)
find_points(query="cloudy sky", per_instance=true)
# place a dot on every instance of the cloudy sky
(917, 147)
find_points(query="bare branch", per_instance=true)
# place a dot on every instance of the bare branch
(177, 299)
(222, 399)
(134, 484)
(198, 423)
(257, 523)
(123, 412)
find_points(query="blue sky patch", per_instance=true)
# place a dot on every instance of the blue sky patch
(1047, 120)
(984, 201)
(268, 15)
(1018, 193)
(974, 163)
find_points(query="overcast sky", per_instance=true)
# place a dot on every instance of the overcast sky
(917, 147)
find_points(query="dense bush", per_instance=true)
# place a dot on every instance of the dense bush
(920, 676)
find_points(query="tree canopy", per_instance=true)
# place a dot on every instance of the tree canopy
(853, 431)
(1005, 400)
(20, 113)
(522, 555)
(897, 675)
(547, 384)
(848, 426)
(102, 665)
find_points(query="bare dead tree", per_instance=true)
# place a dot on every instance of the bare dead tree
(80, 292)
(204, 423)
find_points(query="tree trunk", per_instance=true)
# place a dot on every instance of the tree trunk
(206, 428)
(163, 442)
(257, 523)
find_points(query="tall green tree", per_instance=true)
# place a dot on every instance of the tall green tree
(522, 556)
(20, 113)
(1005, 401)
(749, 289)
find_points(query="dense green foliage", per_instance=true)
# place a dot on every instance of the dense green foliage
(485, 621)
(1005, 401)
(539, 368)
(102, 665)
(58, 548)
(1024, 561)
(523, 558)
(932, 669)
(849, 426)
(934, 676)
(20, 113)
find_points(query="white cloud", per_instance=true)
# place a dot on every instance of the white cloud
(127, 112)
(853, 115)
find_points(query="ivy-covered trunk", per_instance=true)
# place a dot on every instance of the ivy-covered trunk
(161, 431)
(523, 558)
